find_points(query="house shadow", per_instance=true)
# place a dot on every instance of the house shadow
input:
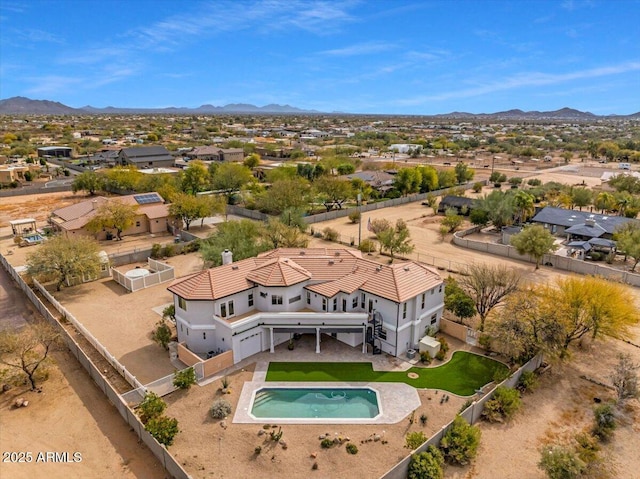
(148, 363)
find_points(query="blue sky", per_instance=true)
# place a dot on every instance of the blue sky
(376, 56)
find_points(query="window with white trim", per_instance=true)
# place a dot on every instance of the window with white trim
(423, 298)
(434, 319)
(354, 303)
(276, 299)
(308, 297)
(231, 309)
(250, 300)
(182, 303)
(324, 304)
(404, 311)
(223, 310)
(335, 304)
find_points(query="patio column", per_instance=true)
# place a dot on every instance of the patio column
(271, 349)
(317, 340)
(364, 340)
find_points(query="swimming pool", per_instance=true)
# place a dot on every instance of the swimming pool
(33, 238)
(315, 403)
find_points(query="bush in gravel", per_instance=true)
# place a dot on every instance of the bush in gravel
(220, 409)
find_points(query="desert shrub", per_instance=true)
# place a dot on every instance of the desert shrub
(169, 250)
(414, 440)
(605, 421)
(330, 234)
(354, 216)
(163, 428)
(528, 381)
(477, 187)
(587, 448)
(423, 419)
(534, 182)
(440, 355)
(379, 225)
(460, 443)
(156, 251)
(595, 256)
(162, 334)
(503, 405)
(152, 406)
(427, 465)
(184, 379)
(169, 312)
(326, 443)
(367, 246)
(220, 409)
(561, 462)
(425, 357)
(351, 448)
(257, 450)
(444, 346)
(500, 374)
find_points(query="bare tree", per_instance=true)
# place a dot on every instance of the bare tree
(28, 351)
(489, 286)
(625, 378)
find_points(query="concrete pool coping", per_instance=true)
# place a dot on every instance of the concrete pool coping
(396, 400)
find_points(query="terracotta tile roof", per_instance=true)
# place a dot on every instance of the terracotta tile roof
(215, 283)
(328, 273)
(73, 212)
(279, 272)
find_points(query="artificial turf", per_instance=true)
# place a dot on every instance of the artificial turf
(461, 375)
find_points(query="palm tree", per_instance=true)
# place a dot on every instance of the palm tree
(524, 204)
(605, 202)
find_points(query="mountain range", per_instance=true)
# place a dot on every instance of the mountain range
(25, 106)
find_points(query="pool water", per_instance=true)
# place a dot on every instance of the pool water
(318, 403)
(33, 238)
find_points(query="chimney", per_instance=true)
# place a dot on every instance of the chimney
(590, 222)
(227, 257)
(94, 204)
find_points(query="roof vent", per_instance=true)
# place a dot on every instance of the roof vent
(302, 253)
(235, 266)
(337, 253)
(406, 268)
(379, 268)
(331, 261)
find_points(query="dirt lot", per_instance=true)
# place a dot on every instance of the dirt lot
(70, 415)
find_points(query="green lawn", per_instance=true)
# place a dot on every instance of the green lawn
(462, 375)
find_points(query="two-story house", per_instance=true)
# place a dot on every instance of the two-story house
(254, 304)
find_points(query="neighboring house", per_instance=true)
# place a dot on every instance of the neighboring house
(257, 303)
(57, 151)
(461, 204)
(146, 157)
(581, 225)
(16, 172)
(153, 216)
(378, 180)
(214, 153)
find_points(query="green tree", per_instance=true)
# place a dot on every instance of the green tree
(396, 240)
(589, 305)
(280, 235)
(408, 180)
(61, 258)
(427, 465)
(88, 181)
(230, 177)
(163, 429)
(628, 242)
(162, 334)
(28, 351)
(452, 220)
(122, 178)
(195, 178)
(457, 301)
(605, 202)
(581, 197)
(332, 192)
(460, 443)
(284, 194)
(184, 379)
(243, 238)
(523, 202)
(252, 161)
(535, 241)
(429, 177)
(189, 208)
(115, 215)
(463, 173)
(498, 206)
(488, 286)
(150, 407)
(446, 178)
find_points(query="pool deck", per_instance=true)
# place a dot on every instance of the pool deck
(395, 400)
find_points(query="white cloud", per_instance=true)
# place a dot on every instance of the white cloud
(359, 49)
(526, 79)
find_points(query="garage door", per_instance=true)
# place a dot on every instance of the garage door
(250, 345)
